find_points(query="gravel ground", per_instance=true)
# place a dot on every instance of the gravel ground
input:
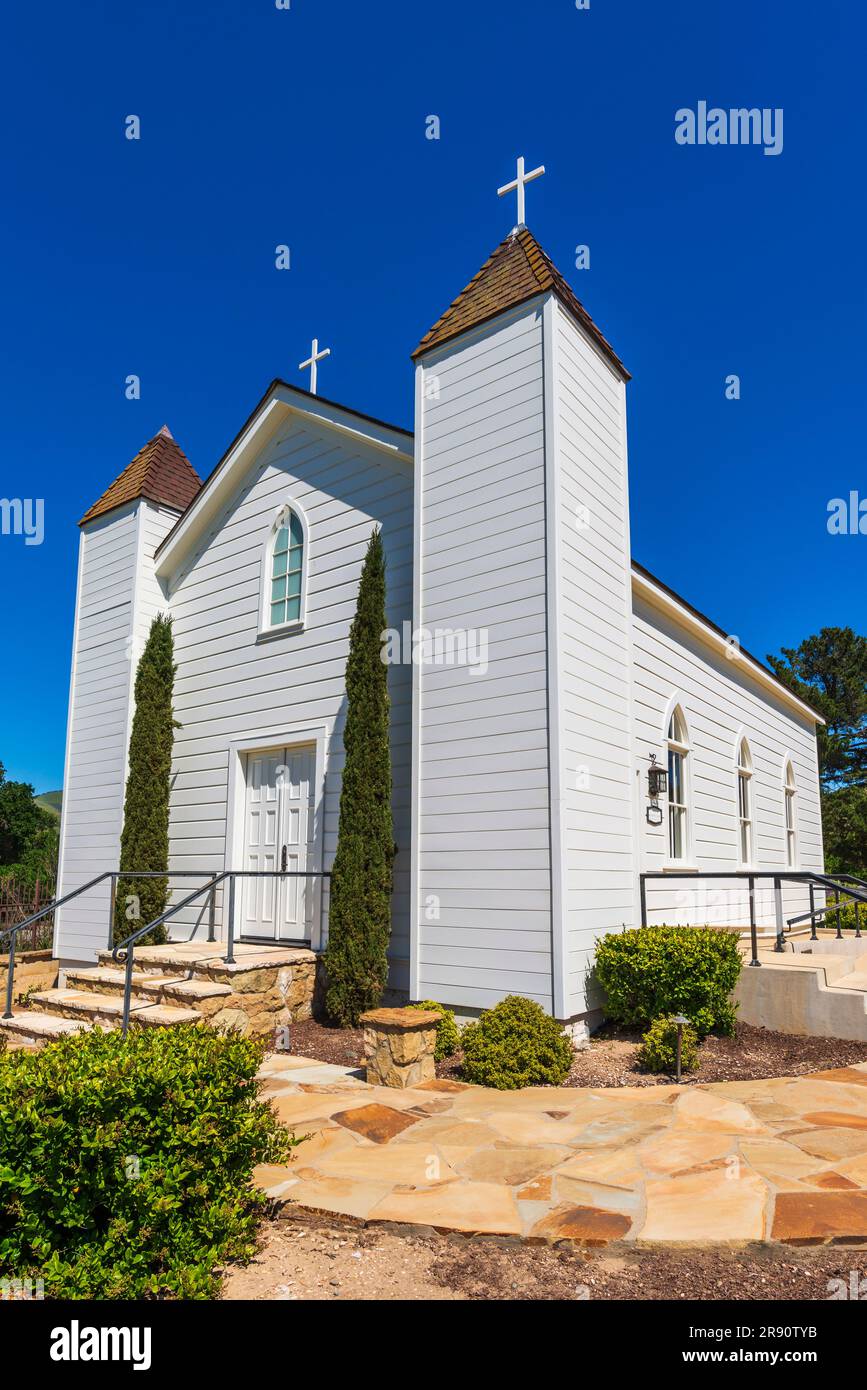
(610, 1060)
(307, 1256)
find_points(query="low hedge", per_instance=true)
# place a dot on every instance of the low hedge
(649, 972)
(515, 1044)
(125, 1165)
(448, 1035)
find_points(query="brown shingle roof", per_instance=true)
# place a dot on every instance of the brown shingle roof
(160, 471)
(516, 271)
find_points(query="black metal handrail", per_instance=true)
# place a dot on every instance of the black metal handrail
(124, 951)
(114, 875)
(827, 882)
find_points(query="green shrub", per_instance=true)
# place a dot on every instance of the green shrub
(651, 972)
(125, 1165)
(846, 916)
(658, 1051)
(448, 1036)
(515, 1044)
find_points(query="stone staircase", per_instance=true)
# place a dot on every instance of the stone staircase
(185, 982)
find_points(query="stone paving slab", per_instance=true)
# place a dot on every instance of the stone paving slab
(778, 1160)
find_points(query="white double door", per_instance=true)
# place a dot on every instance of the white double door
(279, 835)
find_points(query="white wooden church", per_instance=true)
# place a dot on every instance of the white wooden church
(537, 673)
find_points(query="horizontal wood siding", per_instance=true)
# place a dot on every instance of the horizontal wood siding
(594, 653)
(483, 824)
(718, 701)
(230, 685)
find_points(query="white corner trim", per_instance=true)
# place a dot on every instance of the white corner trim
(67, 757)
(554, 626)
(415, 782)
(664, 602)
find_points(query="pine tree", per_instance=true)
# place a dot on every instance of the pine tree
(361, 877)
(144, 843)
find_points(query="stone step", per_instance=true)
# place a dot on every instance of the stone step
(205, 961)
(33, 1028)
(108, 1008)
(154, 989)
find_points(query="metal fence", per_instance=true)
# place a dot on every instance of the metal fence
(19, 899)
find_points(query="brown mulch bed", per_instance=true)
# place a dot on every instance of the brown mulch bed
(610, 1060)
(309, 1255)
(750, 1055)
(343, 1047)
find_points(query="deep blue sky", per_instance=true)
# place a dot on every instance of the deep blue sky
(262, 126)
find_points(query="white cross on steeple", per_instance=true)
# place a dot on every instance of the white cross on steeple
(315, 356)
(518, 184)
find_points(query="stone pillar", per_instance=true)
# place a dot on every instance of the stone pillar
(399, 1046)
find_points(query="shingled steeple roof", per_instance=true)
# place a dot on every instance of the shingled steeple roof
(160, 472)
(516, 271)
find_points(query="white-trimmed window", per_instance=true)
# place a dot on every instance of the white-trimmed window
(790, 791)
(283, 597)
(678, 752)
(745, 803)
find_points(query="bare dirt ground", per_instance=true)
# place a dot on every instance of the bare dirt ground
(307, 1256)
(612, 1057)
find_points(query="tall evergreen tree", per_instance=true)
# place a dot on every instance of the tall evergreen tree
(829, 671)
(144, 842)
(362, 874)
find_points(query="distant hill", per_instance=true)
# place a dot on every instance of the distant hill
(51, 801)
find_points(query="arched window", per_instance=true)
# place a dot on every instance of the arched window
(790, 791)
(745, 803)
(678, 752)
(285, 571)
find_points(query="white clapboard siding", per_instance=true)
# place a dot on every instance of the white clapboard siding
(230, 685)
(593, 563)
(118, 596)
(721, 703)
(483, 901)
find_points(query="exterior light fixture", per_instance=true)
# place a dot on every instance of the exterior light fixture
(681, 1022)
(657, 779)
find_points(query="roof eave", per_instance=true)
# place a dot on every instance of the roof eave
(279, 398)
(664, 598)
(588, 328)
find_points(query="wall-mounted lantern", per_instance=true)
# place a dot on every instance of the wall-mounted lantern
(657, 779)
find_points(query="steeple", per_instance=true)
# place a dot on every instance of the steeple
(160, 472)
(516, 271)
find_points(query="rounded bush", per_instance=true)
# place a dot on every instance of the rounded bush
(448, 1035)
(658, 1051)
(652, 972)
(126, 1164)
(515, 1044)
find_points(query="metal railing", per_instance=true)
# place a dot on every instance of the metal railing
(128, 945)
(124, 951)
(834, 883)
(113, 875)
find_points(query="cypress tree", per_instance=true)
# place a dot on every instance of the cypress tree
(361, 877)
(144, 842)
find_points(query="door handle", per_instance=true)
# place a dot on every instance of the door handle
(283, 859)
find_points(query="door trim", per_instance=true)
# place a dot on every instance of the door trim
(288, 736)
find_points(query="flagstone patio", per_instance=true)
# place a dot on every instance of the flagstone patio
(781, 1160)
